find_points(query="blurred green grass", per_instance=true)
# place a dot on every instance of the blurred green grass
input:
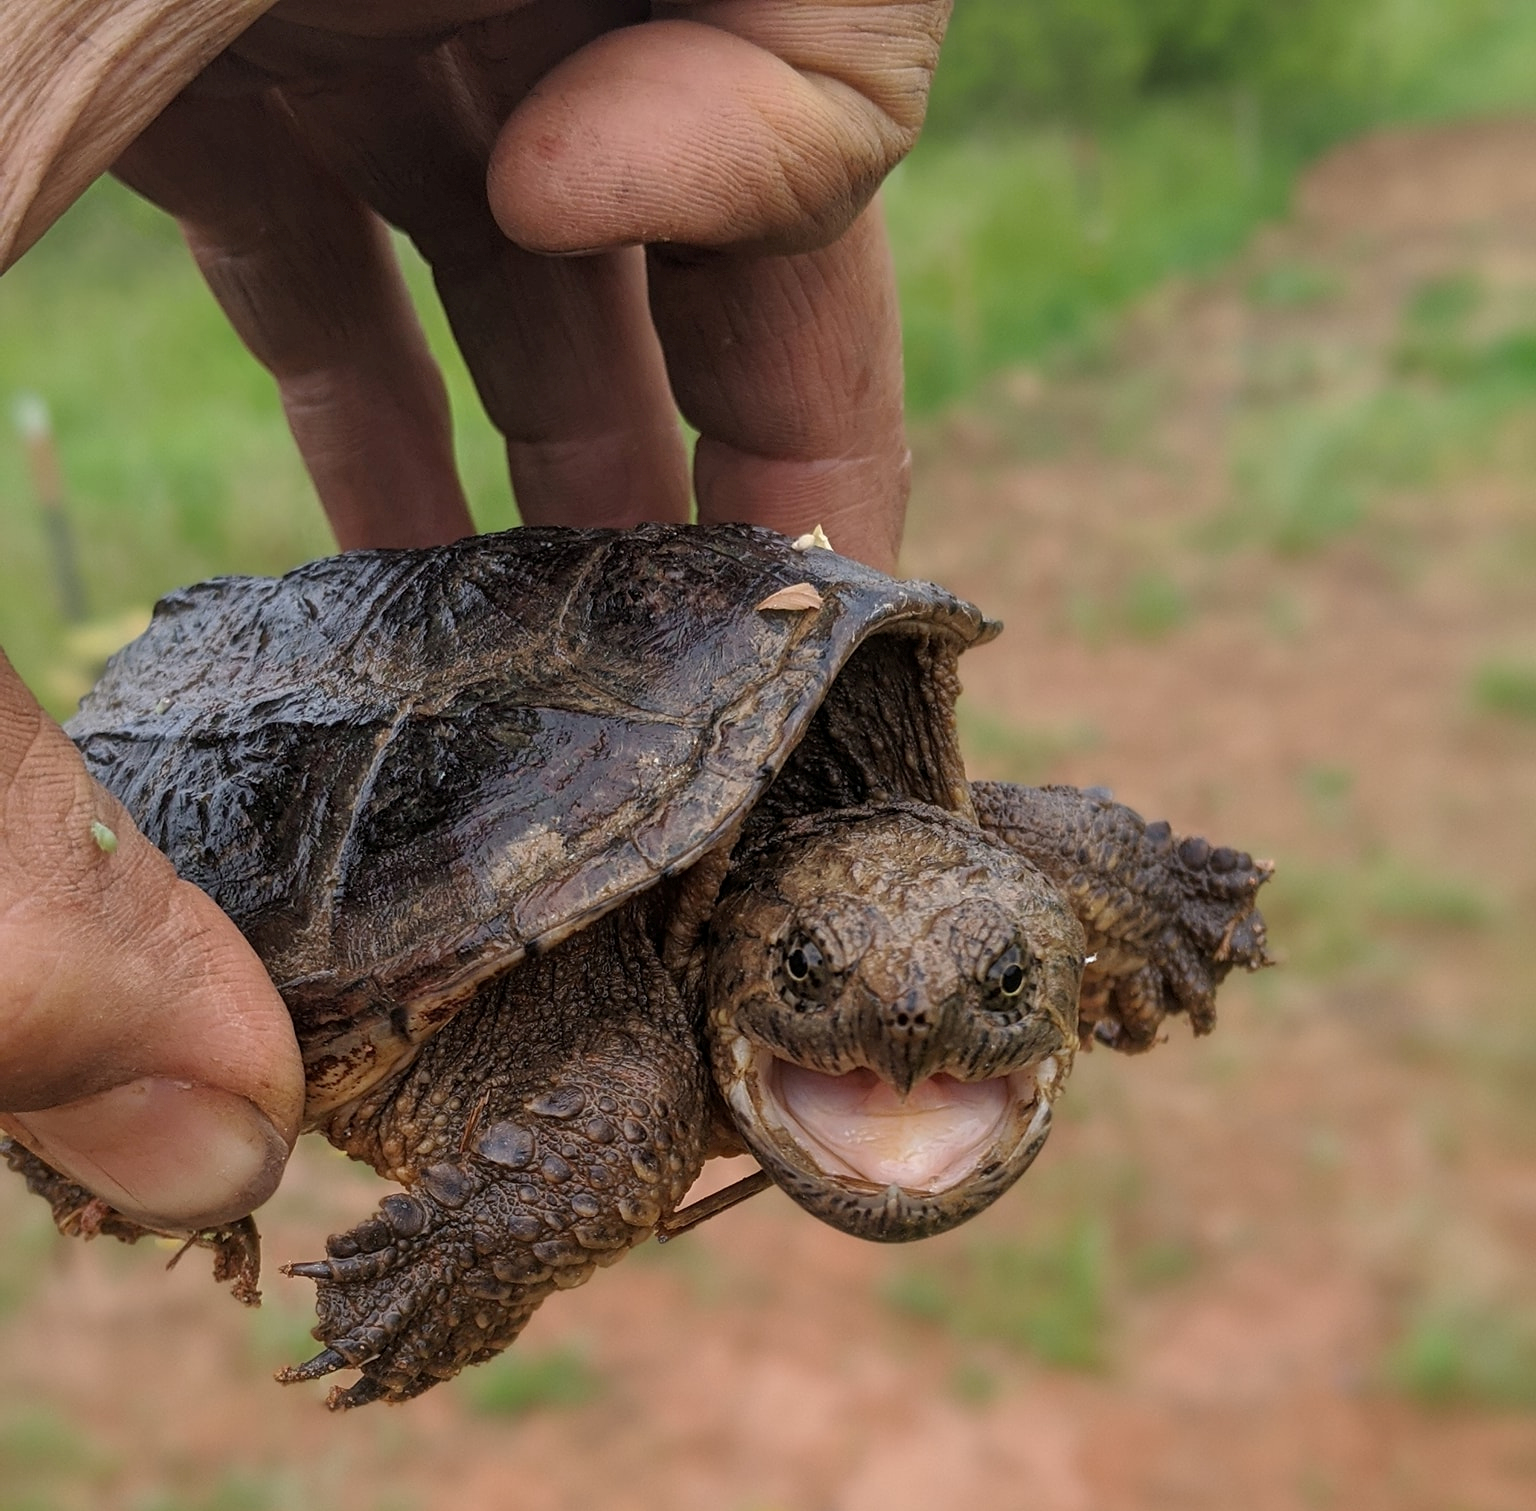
(1148, 607)
(1293, 286)
(1007, 751)
(1016, 249)
(1316, 454)
(1051, 1285)
(1368, 914)
(1302, 73)
(29, 1240)
(1014, 244)
(1047, 1297)
(1506, 688)
(518, 1383)
(1463, 1354)
(249, 1489)
(47, 1463)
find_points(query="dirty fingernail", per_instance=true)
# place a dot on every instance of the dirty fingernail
(165, 1153)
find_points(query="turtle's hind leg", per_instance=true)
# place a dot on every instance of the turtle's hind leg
(236, 1246)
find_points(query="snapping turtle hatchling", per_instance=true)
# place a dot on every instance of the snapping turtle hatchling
(583, 856)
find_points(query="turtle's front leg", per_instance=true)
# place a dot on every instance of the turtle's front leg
(538, 1140)
(448, 1273)
(1167, 918)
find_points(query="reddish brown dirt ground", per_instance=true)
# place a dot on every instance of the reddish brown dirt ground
(1278, 1208)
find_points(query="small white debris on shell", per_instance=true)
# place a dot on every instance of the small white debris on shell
(816, 540)
(797, 597)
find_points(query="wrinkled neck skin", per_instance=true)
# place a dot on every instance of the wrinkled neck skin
(891, 1003)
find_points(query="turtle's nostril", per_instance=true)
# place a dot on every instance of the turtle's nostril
(908, 1045)
(910, 1015)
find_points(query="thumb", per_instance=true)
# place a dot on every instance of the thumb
(770, 130)
(143, 1050)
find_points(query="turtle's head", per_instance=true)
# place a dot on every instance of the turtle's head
(892, 1008)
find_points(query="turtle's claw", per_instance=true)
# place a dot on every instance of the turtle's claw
(326, 1362)
(354, 1268)
(359, 1393)
(309, 1269)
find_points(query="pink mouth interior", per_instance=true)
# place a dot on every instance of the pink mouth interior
(926, 1141)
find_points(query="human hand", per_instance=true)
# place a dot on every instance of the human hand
(143, 1050)
(738, 140)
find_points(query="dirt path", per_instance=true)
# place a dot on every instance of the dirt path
(1272, 1246)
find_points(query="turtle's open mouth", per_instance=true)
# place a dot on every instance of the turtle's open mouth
(857, 1125)
(867, 1159)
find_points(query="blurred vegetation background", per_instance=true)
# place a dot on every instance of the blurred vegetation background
(1079, 151)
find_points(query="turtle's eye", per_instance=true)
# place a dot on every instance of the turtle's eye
(804, 975)
(1007, 975)
(801, 960)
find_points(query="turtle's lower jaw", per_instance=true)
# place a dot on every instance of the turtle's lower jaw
(856, 1153)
